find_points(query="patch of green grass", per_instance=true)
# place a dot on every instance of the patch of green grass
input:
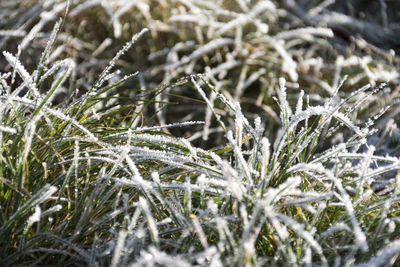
(105, 160)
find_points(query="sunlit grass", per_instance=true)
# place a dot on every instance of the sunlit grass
(105, 153)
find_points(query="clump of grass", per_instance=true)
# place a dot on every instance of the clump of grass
(96, 179)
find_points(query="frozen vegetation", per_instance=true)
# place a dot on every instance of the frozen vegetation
(199, 133)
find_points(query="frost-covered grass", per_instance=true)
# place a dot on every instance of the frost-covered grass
(207, 133)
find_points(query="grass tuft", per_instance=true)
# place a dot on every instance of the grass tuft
(239, 133)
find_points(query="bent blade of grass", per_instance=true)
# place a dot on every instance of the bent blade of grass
(385, 257)
(39, 197)
(23, 73)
